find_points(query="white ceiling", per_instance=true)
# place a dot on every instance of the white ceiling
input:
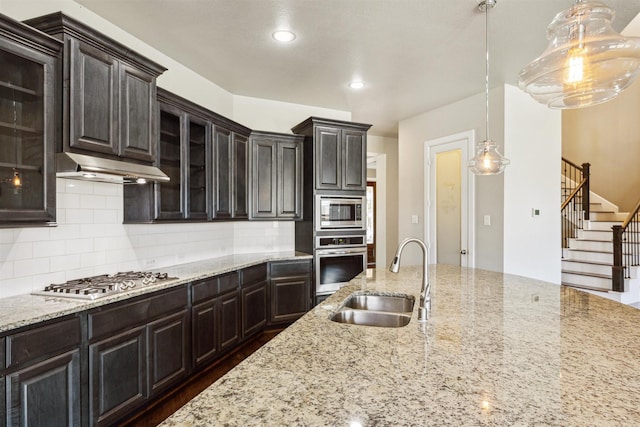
(413, 55)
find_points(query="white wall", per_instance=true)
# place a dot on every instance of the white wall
(533, 141)
(276, 116)
(387, 188)
(460, 116)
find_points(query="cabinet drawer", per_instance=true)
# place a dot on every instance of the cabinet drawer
(254, 274)
(229, 282)
(290, 268)
(43, 342)
(117, 317)
(205, 289)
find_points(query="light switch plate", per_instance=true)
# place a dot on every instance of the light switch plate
(414, 219)
(487, 220)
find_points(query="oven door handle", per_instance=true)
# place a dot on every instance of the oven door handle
(341, 252)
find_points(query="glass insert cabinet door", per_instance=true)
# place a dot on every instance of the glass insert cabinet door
(27, 93)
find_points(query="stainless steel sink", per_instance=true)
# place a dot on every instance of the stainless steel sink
(371, 318)
(368, 309)
(386, 303)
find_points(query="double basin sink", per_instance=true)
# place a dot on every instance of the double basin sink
(374, 309)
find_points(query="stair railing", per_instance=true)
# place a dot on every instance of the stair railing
(575, 199)
(626, 252)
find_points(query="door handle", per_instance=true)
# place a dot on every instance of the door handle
(463, 252)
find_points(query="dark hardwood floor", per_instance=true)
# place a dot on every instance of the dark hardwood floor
(159, 410)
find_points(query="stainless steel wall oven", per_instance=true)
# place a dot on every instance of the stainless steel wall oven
(338, 259)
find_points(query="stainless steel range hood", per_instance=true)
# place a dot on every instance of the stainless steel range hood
(81, 166)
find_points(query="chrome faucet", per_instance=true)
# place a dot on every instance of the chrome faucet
(425, 292)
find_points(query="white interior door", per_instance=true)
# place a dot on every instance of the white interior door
(450, 200)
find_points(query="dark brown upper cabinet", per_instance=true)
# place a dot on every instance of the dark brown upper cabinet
(231, 172)
(29, 86)
(109, 92)
(206, 158)
(183, 153)
(339, 154)
(276, 176)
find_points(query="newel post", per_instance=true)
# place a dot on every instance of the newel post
(585, 190)
(617, 270)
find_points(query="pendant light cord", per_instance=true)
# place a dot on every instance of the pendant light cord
(487, 5)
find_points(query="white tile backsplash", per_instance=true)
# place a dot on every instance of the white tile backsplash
(90, 239)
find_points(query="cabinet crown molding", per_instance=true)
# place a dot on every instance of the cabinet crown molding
(58, 24)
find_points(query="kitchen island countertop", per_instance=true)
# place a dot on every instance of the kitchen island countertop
(23, 310)
(498, 350)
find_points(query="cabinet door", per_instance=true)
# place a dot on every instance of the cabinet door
(222, 169)
(328, 158)
(117, 375)
(205, 331)
(354, 158)
(93, 89)
(289, 180)
(240, 177)
(169, 201)
(198, 169)
(229, 320)
(137, 116)
(168, 350)
(46, 394)
(28, 119)
(289, 298)
(254, 309)
(3, 406)
(264, 176)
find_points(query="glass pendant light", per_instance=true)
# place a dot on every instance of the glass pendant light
(586, 62)
(488, 160)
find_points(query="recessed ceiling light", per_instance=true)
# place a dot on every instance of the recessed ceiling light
(284, 36)
(356, 85)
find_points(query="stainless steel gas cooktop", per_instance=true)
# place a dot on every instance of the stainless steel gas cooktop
(101, 286)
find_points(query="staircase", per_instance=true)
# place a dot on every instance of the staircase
(588, 247)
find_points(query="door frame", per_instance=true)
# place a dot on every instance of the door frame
(465, 141)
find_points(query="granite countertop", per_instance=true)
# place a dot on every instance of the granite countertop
(498, 350)
(23, 310)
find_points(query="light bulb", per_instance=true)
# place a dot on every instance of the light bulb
(16, 181)
(486, 160)
(575, 71)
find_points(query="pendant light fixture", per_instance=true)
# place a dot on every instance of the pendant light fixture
(488, 160)
(586, 62)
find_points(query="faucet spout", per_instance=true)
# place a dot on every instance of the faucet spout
(425, 291)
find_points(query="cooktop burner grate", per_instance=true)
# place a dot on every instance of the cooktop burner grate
(102, 285)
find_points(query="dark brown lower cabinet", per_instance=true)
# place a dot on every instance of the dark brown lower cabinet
(254, 308)
(42, 379)
(136, 349)
(117, 375)
(289, 291)
(205, 331)
(229, 321)
(47, 393)
(168, 351)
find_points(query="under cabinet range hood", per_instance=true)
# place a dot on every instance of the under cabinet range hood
(90, 168)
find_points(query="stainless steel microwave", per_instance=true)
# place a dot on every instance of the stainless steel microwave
(336, 212)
